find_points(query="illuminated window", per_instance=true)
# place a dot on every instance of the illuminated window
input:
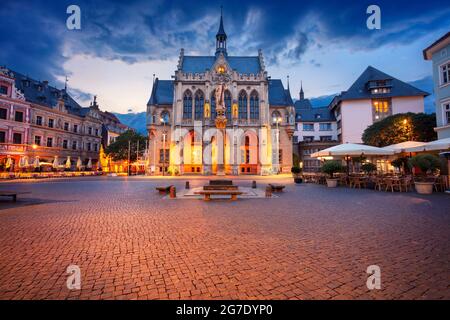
(243, 105)
(227, 98)
(187, 105)
(381, 109)
(221, 69)
(199, 103)
(254, 106)
(213, 106)
(276, 118)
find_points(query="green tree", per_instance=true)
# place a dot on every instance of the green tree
(401, 128)
(119, 149)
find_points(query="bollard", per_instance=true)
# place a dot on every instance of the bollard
(187, 185)
(173, 192)
(268, 192)
(254, 185)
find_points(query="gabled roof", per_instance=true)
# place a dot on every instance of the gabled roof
(302, 104)
(162, 92)
(437, 45)
(43, 94)
(278, 96)
(322, 114)
(359, 89)
(199, 64)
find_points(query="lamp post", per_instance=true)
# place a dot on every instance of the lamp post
(129, 156)
(277, 119)
(163, 121)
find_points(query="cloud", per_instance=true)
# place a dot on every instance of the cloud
(118, 85)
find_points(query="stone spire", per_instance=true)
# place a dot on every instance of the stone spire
(221, 37)
(302, 94)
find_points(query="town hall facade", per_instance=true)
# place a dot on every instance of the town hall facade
(220, 114)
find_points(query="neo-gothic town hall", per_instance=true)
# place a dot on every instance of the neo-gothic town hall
(181, 114)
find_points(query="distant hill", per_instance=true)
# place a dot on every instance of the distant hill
(137, 121)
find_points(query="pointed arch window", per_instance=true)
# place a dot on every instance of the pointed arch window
(199, 104)
(227, 98)
(187, 105)
(254, 106)
(213, 106)
(243, 105)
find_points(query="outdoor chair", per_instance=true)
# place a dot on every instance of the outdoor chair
(407, 183)
(379, 183)
(439, 184)
(392, 184)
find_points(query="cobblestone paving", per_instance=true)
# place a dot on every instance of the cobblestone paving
(310, 243)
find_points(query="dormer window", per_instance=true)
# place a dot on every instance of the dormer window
(317, 116)
(379, 86)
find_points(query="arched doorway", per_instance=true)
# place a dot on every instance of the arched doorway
(249, 154)
(192, 153)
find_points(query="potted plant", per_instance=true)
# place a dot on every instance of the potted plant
(427, 163)
(330, 168)
(368, 168)
(296, 173)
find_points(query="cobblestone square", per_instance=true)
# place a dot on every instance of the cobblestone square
(311, 242)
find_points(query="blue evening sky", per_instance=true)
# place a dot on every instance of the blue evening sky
(325, 44)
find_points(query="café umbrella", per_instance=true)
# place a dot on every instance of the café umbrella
(22, 162)
(404, 146)
(352, 150)
(8, 163)
(79, 164)
(438, 145)
(68, 163)
(55, 163)
(36, 163)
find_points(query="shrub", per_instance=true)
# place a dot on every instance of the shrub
(368, 168)
(425, 162)
(331, 167)
(296, 170)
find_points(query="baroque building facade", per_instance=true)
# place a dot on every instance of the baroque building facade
(184, 122)
(38, 121)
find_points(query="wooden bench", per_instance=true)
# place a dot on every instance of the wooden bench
(12, 194)
(208, 193)
(277, 187)
(163, 190)
(220, 182)
(219, 187)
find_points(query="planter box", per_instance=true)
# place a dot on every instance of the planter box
(332, 183)
(424, 187)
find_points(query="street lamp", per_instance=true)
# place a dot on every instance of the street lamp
(277, 120)
(163, 121)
